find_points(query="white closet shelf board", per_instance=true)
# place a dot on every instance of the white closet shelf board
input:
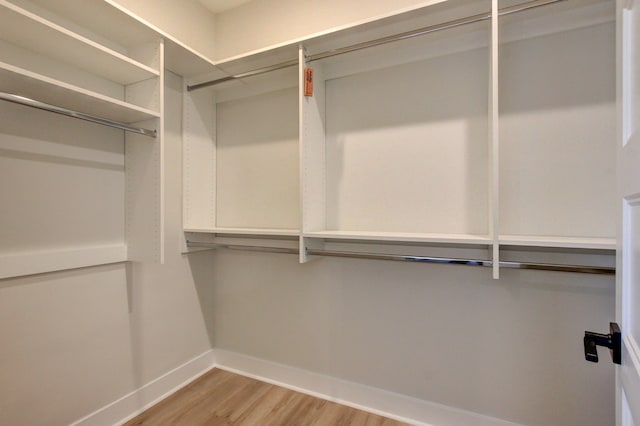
(401, 237)
(259, 60)
(15, 265)
(32, 32)
(21, 82)
(247, 231)
(95, 19)
(185, 61)
(419, 15)
(559, 242)
(116, 27)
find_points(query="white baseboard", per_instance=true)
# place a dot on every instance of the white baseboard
(377, 401)
(139, 400)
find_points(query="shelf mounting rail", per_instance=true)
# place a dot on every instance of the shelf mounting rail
(9, 97)
(380, 41)
(585, 269)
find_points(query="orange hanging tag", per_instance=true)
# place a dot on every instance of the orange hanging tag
(308, 81)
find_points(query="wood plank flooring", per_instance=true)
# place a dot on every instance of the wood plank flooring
(223, 398)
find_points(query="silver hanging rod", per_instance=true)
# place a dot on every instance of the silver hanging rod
(264, 249)
(380, 41)
(252, 73)
(585, 269)
(601, 270)
(399, 257)
(75, 114)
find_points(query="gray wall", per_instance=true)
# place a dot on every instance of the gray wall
(511, 348)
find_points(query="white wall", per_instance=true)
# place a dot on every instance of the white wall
(78, 340)
(510, 348)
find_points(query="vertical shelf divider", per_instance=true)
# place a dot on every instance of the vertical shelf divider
(144, 165)
(494, 139)
(312, 155)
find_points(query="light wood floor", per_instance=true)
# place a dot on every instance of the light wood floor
(223, 398)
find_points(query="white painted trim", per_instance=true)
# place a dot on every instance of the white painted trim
(373, 400)
(136, 402)
(16, 265)
(630, 374)
(377, 401)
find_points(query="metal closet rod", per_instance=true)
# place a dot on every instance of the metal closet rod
(380, 41)
(75, 114)
(585, 269)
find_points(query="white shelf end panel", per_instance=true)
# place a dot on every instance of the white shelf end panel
(144, 166)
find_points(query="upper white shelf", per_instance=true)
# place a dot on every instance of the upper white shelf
(25, 83)
(106, 20)
(34, 33)
(401, 237)
(558, 242)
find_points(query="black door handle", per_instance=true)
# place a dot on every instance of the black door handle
(613, 341)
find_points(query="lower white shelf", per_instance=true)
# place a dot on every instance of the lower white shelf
(591, 243)
(558, 242)
(402, 237)
(274, 232)
(16, 265)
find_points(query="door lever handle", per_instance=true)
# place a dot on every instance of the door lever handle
(613, 341)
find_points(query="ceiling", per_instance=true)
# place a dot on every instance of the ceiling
(217, 6)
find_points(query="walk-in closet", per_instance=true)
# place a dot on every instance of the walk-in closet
(418, 210)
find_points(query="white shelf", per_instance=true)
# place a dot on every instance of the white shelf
(418, 15)
(101, 17)
(247, 231)
(112, 22)
(15, 265)
(383, 150)
(401, 237)
(44, 89)
(34, 33)
(558, 242)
